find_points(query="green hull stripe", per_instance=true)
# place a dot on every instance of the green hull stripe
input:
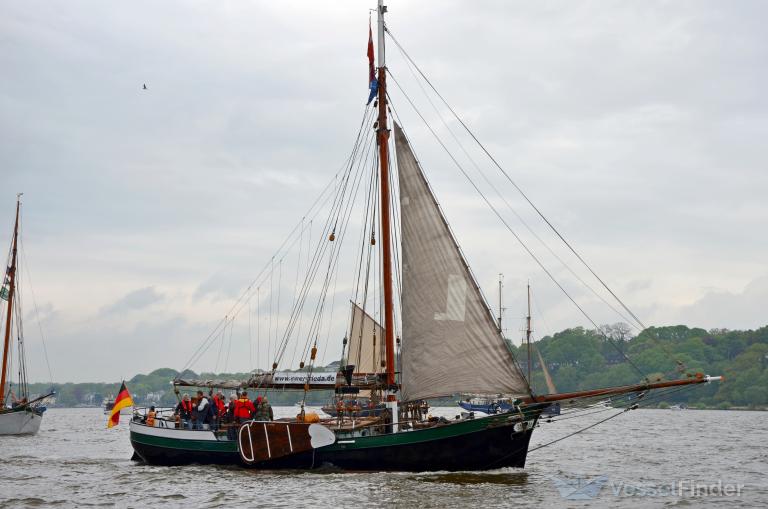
(425, 435)
(228, 446)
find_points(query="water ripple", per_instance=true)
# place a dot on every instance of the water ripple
(74, 462)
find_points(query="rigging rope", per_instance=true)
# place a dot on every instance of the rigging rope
(629, 407)
(581, 430)
(509, 205)
(508, 227)
(680, 364)
(338, 212)
(287, 243)
(37, 312)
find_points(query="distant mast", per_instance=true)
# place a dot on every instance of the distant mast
(11, 290)
(528, 332)
(501, 309)
(386, 242)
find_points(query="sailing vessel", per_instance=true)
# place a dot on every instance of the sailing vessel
(449, 343)
(499, 403)
(18, 414)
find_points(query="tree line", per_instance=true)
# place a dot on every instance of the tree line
(577, 359)
(580, 359)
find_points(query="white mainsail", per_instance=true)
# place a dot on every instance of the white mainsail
(450, 343)
(366, 342)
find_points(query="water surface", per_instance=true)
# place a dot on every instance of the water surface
(632, 461)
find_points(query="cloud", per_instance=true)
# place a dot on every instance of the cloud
(733, 310)
(637, 128)
(637, 285)
(135, 300)
(221, 286)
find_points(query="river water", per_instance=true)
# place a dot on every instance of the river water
(644, 458)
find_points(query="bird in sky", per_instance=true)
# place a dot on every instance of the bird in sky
(145, 86)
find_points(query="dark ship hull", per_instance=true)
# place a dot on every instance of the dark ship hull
(471, 444)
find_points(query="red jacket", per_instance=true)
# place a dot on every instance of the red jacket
(244, 408)
(184, 409)
(219, 405)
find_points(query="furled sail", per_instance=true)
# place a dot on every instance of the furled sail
(451, 343)
(366, 342)
(547, 377)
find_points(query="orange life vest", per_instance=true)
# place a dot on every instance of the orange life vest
(244, 408)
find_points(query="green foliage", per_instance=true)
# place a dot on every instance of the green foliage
(577, 359)
(580, 359)
(155, 389)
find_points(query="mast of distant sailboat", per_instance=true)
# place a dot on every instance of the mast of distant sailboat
(11, 290)
(501, 309)
(528, 332)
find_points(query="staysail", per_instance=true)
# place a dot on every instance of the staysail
(366, 342)
(547, 377)
(450, 341)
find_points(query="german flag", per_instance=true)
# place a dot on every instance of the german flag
(122, 400)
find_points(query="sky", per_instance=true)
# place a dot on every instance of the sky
(637, 128)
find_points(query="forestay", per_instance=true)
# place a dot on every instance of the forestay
(451, 343)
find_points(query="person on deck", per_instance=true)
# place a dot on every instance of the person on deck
(221, 404)
(257, 413)
(151, 417)
(219, 408)
(231, 409)
(230, 418)
(263, 410)
(244, 408)
(203, 408)
(184, 411)
(269, 415)
(195, 417)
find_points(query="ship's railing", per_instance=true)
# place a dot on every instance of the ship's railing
(349, 427)
(165, 417)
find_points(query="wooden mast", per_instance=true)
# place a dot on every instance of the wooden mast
(8, 319)
(386, 242)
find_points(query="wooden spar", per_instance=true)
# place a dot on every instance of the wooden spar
(8, 319)
(699, 378)
(386, 242)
